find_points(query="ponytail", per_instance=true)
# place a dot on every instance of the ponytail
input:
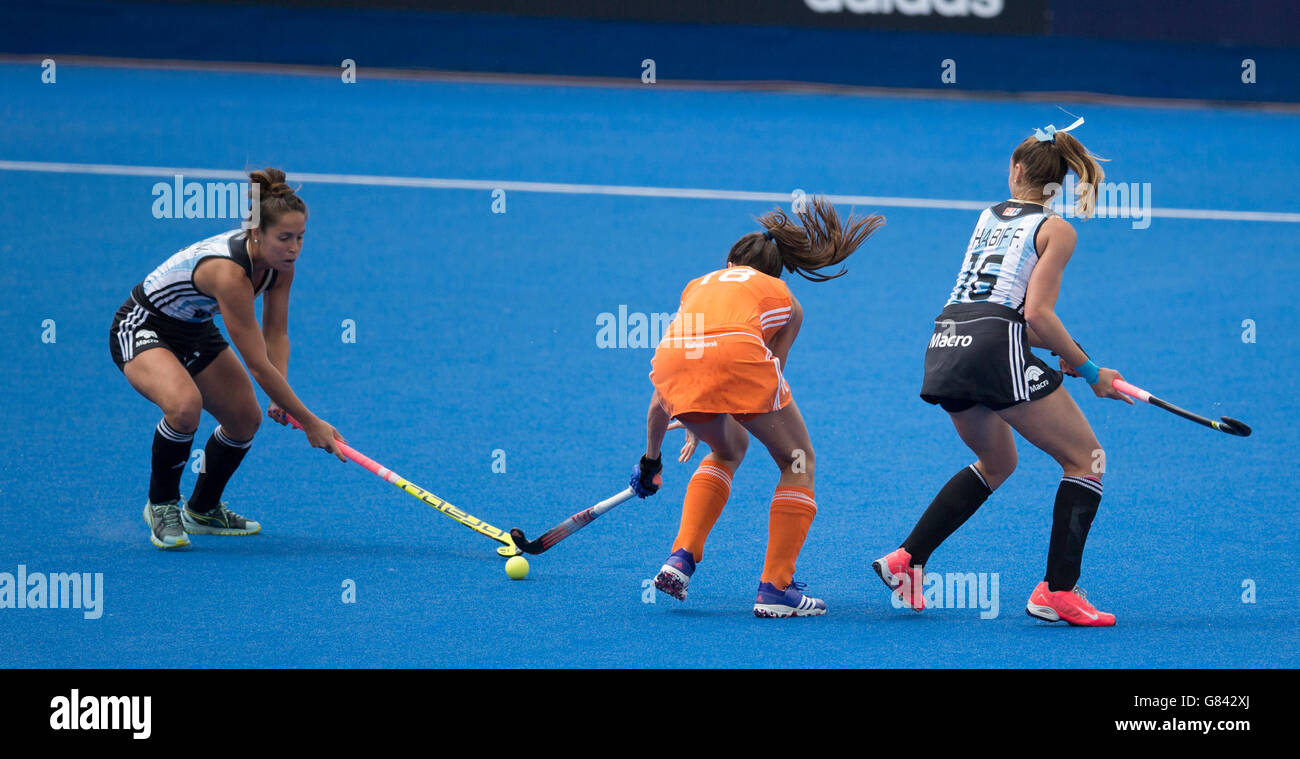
(818, 242)
(1046, 162)
(1086, 167)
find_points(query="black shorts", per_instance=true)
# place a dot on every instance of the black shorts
(979, 353)
(136, 329)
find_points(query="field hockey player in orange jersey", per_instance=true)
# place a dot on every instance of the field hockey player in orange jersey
(718, 370)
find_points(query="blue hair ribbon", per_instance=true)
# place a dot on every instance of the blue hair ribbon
(1048, 133)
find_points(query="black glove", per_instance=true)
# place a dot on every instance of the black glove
(643, 475)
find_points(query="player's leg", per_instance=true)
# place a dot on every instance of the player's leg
(710, 486)
(706, 495)
(990, 438)
(227, 395)
(158, 375)
(1057, 426)
(785, 435)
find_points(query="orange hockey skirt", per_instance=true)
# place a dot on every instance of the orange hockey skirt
(732, 373)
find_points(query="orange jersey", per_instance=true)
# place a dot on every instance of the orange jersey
(738, 298)
(714, 357)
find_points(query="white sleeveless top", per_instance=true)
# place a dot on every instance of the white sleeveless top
(169, 290)
(1001, 255)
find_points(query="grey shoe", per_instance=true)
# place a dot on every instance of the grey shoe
(219, 521)
(164, 520)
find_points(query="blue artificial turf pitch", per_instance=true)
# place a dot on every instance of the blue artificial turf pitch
(476, 332)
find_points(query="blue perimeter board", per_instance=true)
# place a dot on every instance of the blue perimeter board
(510, 44)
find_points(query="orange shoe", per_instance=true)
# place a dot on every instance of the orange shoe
(906, 580)
(1069, 605)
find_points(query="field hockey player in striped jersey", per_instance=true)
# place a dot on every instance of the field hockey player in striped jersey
(194, 368)
(979, 368)
(720, 371)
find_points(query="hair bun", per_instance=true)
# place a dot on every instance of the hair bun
(276, 196)
(271, 181)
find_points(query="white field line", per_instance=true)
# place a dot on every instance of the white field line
(438, 183)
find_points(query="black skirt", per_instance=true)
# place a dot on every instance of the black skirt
(136, 329)
(979, 353)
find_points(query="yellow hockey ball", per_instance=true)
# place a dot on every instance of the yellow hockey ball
(517, 567)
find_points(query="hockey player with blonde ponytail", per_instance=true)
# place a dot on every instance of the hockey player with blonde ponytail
(980, 369)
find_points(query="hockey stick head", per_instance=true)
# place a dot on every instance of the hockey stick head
(523, 544)
(1233, 426)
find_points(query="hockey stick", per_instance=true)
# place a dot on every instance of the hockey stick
(1226, 424)
(474, 523)
(569, 526)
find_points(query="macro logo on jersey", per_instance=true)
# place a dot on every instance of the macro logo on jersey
(145, 336)
(939, 340)
(1033, 374)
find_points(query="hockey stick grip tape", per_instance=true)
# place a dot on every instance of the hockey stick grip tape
(1132, 390)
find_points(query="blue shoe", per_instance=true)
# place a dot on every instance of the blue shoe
(790, 602)
(675, 575)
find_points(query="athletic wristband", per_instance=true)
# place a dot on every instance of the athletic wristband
(1089, 371)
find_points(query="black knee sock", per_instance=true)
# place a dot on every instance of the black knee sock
(1077, 500)
(961, 497)
(171, 449)
(221, 457)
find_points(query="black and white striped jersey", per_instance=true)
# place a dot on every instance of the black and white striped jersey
(169, 290)
(1001, 255)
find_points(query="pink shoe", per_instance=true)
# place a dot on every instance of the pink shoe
(1069, 605)
(906, 580)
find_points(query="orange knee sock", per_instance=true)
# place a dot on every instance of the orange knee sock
(706, 494)
(793, 509)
